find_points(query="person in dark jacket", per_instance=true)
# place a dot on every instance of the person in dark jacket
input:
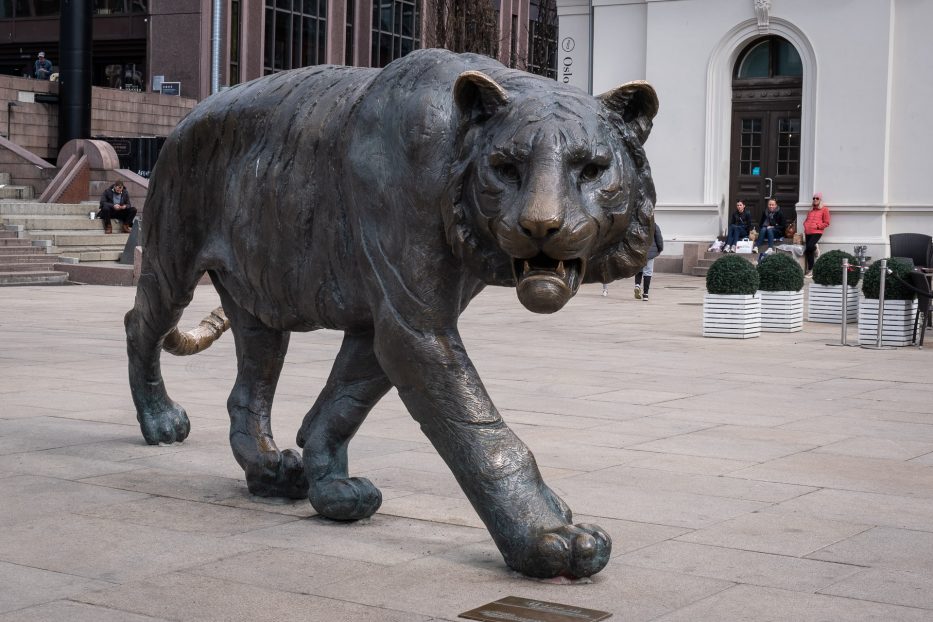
(643, 278)
(115, 203)
(771, 227)
(42, 68)
(740, 224)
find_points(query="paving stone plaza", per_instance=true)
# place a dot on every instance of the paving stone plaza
(774, 478)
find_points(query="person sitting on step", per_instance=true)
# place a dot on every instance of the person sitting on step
(771, 227)
(740, 225)
(115, 203)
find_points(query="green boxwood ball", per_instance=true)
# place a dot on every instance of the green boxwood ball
(893, 290)
(779, 273)
(732, 275)
(828, 269)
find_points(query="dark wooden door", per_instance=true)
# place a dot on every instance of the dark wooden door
(765, 160)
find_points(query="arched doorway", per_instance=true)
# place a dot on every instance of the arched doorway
(766, 126)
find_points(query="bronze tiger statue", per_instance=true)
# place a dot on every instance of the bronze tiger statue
(379, 203)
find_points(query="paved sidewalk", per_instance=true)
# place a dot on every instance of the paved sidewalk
(771, 479)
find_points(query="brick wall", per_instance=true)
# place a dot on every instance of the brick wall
(34, 126)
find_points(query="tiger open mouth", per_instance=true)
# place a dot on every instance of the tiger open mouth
(544, 284)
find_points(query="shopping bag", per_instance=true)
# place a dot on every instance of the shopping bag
(743, 246)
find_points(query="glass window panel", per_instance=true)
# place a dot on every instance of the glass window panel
(788, 60)
(321, 41)
(350, 44)
(296, 60)
(140, 6)
(385, 17)
(283, 4)
(756, 62)
(408, 20)
(269, 53)
(308, 42)
(6, 9)
(282, 31)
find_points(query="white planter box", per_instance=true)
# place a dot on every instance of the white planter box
(824, 304)
(781, 312)
(898, 322)
(731, 317)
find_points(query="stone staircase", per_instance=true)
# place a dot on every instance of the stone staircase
(66, 228)
(22, 263)
(707, 258)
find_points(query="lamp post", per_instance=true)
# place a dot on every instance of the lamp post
(74, 111)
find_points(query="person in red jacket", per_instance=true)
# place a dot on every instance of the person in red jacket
(816, 223)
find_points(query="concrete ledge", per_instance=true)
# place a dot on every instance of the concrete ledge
(99, 274)
(669, 264)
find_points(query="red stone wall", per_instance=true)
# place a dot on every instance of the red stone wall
(34, 126)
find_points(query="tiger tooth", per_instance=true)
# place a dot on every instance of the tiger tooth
(527, 267)
(560, 269)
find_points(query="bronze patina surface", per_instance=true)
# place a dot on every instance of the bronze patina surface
(379, 203)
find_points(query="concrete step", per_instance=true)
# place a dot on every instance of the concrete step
(38, 277)
(45, 266)
(14, 242)
(699, 270)
(27, 259)
(93, 253)
(46, 209)
(82, 238)
(16, 192)
(34, 223)
(21, 250)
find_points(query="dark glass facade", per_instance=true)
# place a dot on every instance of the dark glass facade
(296, 34)
(396, 30)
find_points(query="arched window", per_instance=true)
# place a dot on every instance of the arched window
(771, 57)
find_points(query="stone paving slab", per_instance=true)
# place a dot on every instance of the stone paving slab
(721, 505)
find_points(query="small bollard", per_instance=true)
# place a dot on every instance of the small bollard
(877, 345)
(845, 304)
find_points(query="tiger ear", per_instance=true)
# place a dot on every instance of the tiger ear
(636, 102)
(478, 96)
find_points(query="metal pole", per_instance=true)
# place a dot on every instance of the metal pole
(74, 109)
(878, 345)
(845, 299)
(215, 46)
(845, 304)
(884, 271)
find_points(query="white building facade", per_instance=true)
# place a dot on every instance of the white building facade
(773, 98)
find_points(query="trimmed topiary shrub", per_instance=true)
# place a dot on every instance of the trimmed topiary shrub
(779, 273)
(732, 275)
(828, 269)
(893, 290)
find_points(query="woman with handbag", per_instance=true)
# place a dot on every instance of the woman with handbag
(816, 223)
(740, 223)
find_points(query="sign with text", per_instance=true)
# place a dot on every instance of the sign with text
(573, 49)
(515, 609)
(170, 88)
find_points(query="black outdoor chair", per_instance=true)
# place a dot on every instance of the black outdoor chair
(918, 247)
(920, 283)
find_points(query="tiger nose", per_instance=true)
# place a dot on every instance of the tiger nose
(539, 223)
